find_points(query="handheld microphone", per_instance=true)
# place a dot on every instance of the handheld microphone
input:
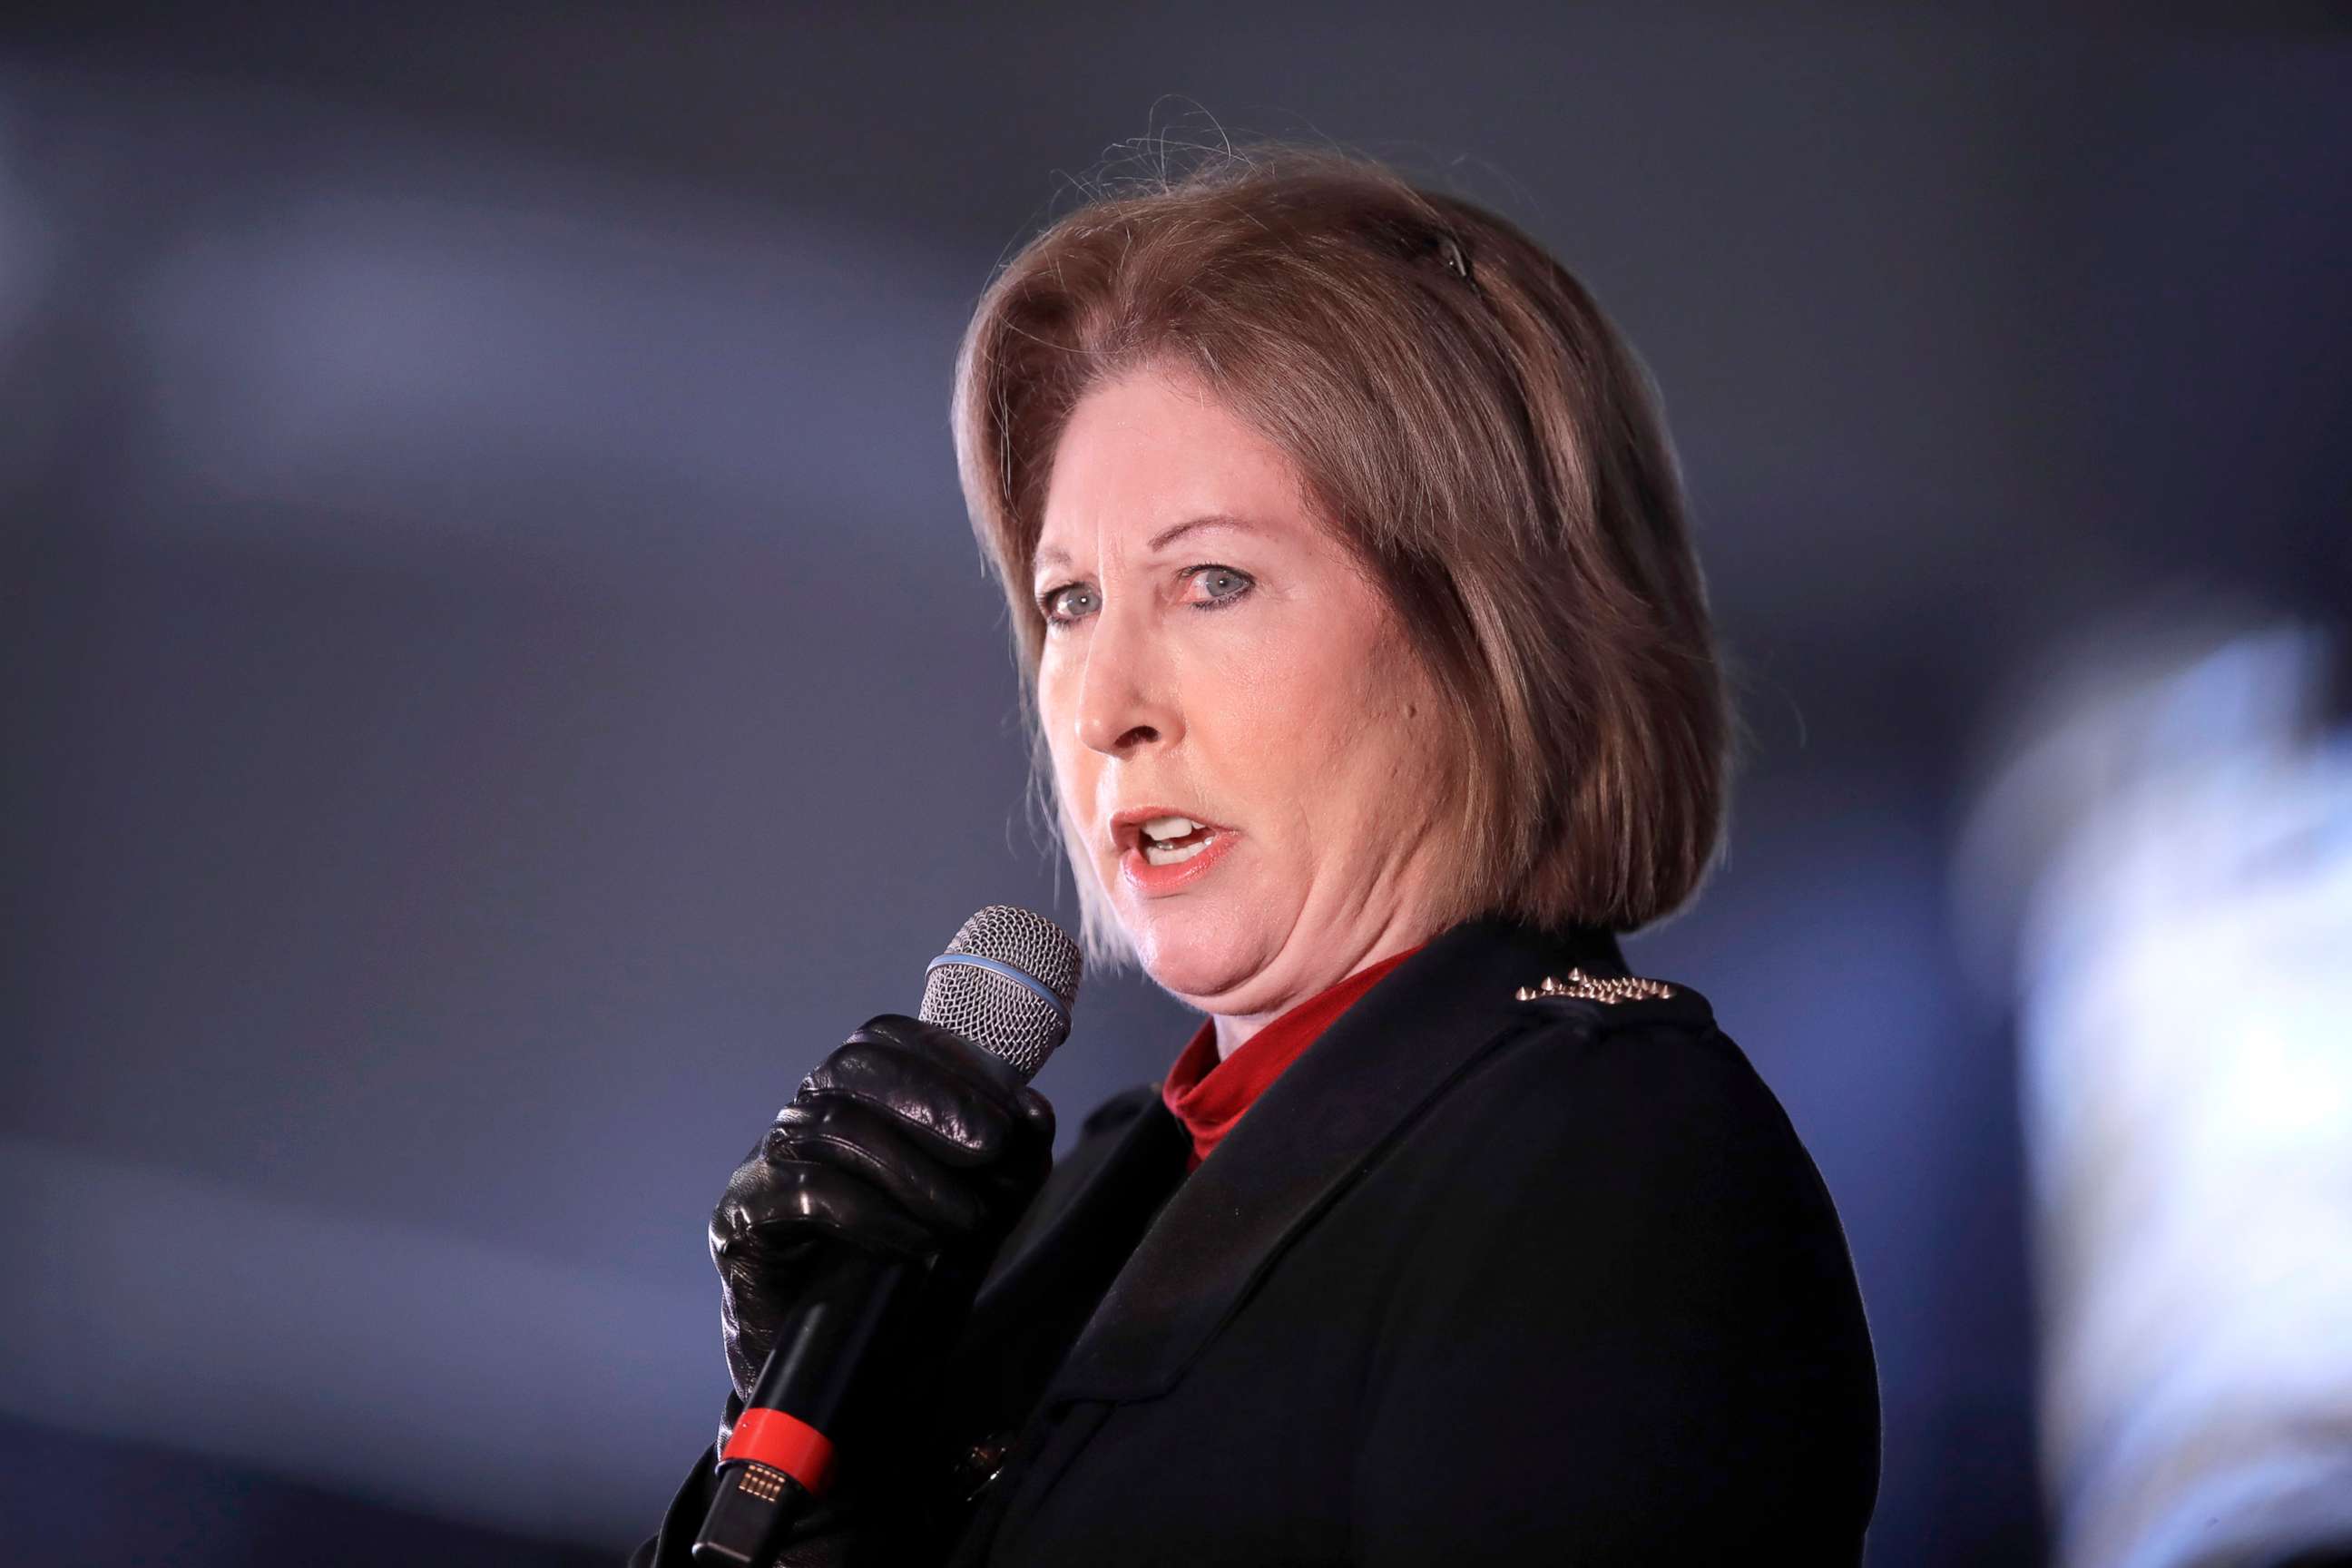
(1005, 984)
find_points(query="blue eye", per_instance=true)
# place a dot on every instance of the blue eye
(1070, 602)
(1223, 585)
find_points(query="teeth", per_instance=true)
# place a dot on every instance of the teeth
(1165, 828)
(1160, 857)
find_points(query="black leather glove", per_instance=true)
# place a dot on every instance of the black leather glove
(907, 1141)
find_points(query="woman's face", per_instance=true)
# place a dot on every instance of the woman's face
(1212, 654)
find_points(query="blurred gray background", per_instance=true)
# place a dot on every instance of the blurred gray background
(499, 681)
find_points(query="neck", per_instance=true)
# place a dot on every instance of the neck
(1235, 1030)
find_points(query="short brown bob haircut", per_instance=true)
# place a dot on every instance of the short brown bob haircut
(1470, 425)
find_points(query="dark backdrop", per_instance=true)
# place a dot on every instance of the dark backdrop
(499, 681)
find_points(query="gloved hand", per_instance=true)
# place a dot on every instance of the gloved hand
(903, 1141)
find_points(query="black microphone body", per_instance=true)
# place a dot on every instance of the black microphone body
(1004, 985)
(808, 1379)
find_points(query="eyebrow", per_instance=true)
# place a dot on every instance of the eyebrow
(1054, 555)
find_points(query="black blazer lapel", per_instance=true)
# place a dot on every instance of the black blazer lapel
(1133, 1168)
(1306, 1139)
(1055, 1267)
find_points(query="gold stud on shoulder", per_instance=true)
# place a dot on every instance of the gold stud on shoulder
(1597, 988)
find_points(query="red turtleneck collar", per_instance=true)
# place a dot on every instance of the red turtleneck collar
(1208, 1096)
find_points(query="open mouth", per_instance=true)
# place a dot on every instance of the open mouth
(1172, 840)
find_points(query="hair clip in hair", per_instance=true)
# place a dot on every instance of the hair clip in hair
(1449, 251)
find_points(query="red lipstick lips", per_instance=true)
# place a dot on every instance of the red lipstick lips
(1157, 881)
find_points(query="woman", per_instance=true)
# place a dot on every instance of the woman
(1372, 671)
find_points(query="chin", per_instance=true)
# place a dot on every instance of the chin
(1195, 953)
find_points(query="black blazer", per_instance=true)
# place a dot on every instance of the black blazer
(1475, 1279)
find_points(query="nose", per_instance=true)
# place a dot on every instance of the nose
(1125, 697)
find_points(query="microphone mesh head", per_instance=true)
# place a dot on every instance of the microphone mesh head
(1002, 1017)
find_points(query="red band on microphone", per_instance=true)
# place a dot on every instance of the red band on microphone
(783, 1443)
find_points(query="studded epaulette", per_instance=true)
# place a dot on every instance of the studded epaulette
(1597, 988)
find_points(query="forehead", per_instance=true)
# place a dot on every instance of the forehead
(1149, 451)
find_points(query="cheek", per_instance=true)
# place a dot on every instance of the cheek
(1053, 711)
(1075, 767)
(1335, 684)
(1372, 761)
